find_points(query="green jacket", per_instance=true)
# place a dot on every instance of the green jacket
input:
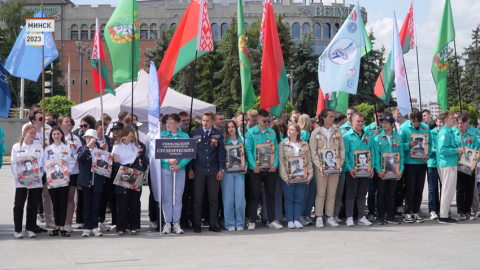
(382, 145)
(354, 142)
(372, 128)
(3, 147)
(304, 136)
(406, 130)
(255, 136)
(432, 161)
(346, 127)
(476, 132)
(470, 138)
(447, 153)
(182, 163)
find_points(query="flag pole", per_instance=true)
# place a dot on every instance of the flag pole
(374, 101)
(418, 74)
(43, 86)
(408, 86)
(458, 78)
(192, 85)
(133, 48)
(100, 80)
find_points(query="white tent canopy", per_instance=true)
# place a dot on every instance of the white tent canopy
(174, 103)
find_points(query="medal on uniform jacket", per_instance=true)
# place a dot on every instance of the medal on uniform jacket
(213, 141)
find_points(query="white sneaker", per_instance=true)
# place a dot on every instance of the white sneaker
(232, 229)
(97, 232)
(337, 219)
(433, 215)
(364, 221)
(18, 235)
(239, 228)
(153, 224)
(297, 224)
(251, 226)
(50, 225)
(120, 233)
(68, 228)
(178, 230)
(102, 227)
(31, 234)
(80, 226)
(319, 223)
(303, 221)
(86, 233)
(291, 225)
(331, 222)
(276, 225)
(350, 222)
(308, 221)
(167, 228)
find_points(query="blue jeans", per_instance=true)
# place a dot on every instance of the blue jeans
(172, 212)
(433, 187)
(278, 201)
(372, 190)
(309, 197)
(233, 195)
(91, 208)
(293, 200)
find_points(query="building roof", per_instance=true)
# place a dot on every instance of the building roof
(49, 2)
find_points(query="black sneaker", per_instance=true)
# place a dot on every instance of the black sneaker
(447, 221)
(393, 221)
(417, 218)
(408, 218)
(381, 222)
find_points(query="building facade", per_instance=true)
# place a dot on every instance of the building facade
(77, 23)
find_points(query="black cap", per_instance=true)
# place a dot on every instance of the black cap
(117, 125)
(388, 118)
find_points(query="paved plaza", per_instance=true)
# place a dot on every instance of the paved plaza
(420, 246)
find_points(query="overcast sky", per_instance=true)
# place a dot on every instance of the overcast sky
(466, 14)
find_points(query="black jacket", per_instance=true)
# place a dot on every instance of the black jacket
(85, 166)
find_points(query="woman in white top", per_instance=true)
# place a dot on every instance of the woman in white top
(58, 150)
(74, 143)
(31, 192)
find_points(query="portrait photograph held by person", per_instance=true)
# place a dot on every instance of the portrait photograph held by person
(264, 155)
(129, 178)
(390, 165)
(235, 158)
(420, 150)
(362, 163)
(26, 171)
(102, 162)
(331, 163)
(468, 161)
(297, 170)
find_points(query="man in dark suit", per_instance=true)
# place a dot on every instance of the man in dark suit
(28, 168)
(234, 157)
(57, 174)
(390, 166)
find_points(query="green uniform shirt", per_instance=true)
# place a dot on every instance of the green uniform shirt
(304, 136)
(354, 142)
(406, 130)
(432, 161)
(182, 163)
(346, 127)
(382, 145)
(255, 136)
(470, 139)
(447, 153)
(476, 132)
(372, 128)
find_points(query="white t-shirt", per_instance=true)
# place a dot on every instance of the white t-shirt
(327, 133)
(126, 152)
(296, 148)
(235, 142)
(389, 139)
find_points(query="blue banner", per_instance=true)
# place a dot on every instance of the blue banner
(5, 97)
(154, 131)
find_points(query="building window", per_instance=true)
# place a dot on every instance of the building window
(215, 30)
(92, 31)
(224, 28)
(336, 27)
(287, 24)
(143, 31)
(84, 31)
(174, 26)
(316, 30)
(306, 29)
(153, 31)
(326, 31)
(246, 25)
(102, 28)
(74, 32)
(296, 30)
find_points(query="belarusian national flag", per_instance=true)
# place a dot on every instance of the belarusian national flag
(403, 98)
(248, 95)
(446, 33)
(408, 40)
(274, 85)
(192, 39)
(99, 66)
(119, 36)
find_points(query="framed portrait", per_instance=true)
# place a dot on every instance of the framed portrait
(235, 158)
(102, 163)
(362, 163)
(468, 161)
(265, 155)
(297, 170)
(391, 165)
(57, 174)
(330, 161)
(27, 171)
(477, 172)
(129, 178)
(420, 151)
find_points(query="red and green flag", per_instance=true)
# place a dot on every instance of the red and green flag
(123, 32)
(99, 70)
(192, 39)
(274, 85)
(408, 40)
(248, 95)
(446, 34)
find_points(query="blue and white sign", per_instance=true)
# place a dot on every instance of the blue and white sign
(154, 131)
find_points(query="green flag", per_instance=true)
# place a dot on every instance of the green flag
(338, 102)
(446, 34)
(120, 37)
(248, 95)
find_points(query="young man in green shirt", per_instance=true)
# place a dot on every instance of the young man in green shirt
(433, 178)
(447, 161)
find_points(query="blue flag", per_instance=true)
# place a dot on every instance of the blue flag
(5, 97)
(339, 64)
(26, 61)
(154, 131)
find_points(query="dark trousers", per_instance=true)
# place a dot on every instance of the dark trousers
(40, 203)
(414, 183)
(434, 185)
(187, 202)
(386, 187)
(356, 188)
(465, 188)
(91, 205)
(79, 209)
(372, 190)
(33, 197)
(201, 180)
(255, 185)
(127, 207)
(108, 197)
(152, 206)
(59, 198)
(400, 191)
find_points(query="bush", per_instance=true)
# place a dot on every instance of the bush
(471, 109)
(368, 111)
(58, 104)
(256, 106)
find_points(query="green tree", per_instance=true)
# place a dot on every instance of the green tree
(59, 104)
(256, 106)
(452, 83)
(471, 108)
(367, 110)
(158, 52)
(470, 81)
(207, 66)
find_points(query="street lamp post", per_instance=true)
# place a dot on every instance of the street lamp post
(292, 69)
(68, 75)
(81, 47)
